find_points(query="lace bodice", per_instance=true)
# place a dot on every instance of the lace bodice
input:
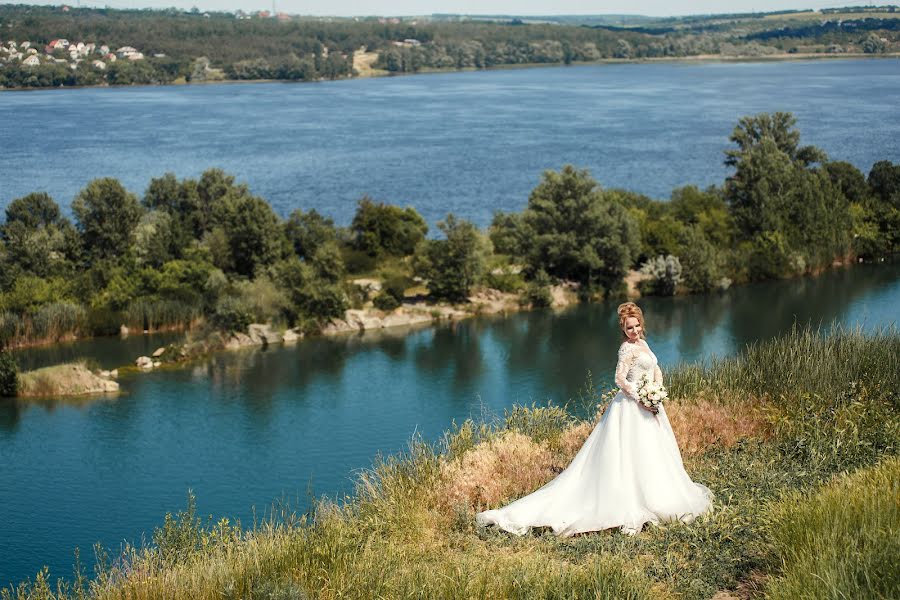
(636, 360)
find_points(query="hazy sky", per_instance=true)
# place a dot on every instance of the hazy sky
(517, 7)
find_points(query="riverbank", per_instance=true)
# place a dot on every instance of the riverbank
(409, 318)
(368, 72)
(758, 429)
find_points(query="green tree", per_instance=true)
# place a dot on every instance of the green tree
(702, 262)
(707, 209)
(777, 127)
(453, 265)
(308, 231)
(107, 215)
(884, 181)
(573, 231)
(38, 239)
(385, 229)
(312, 297)
(9, 375)
(776, 191)
(254, 234)
(505, 233)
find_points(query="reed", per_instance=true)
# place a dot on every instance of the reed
(806, 360)
(155, 314)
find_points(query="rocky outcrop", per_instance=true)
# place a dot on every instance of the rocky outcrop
(64, 380)
(358, 320)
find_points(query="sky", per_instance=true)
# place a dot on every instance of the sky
(346, 8)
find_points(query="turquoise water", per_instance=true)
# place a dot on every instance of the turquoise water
(247, 428)
(244, 429)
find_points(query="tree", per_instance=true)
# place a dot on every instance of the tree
(384, 229)
(38, 239)
(107, 215)
(777, 127)
(9, 375)
(800, 212)
(456, 263)
(254, 234)
(312, 296)
(702, 262)
(884, 181)
(573, 231)
(505, 233)
(308, 231)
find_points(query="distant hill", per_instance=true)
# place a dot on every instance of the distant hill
(43, 46)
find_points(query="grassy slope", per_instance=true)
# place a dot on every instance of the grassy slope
(769, 432)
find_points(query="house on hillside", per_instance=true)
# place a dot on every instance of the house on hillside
(31, 61)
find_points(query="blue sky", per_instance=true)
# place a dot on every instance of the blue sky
(518, 7)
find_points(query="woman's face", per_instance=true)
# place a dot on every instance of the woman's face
(632, 329)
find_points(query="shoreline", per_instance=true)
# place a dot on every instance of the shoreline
(377, 74)
(409, 317)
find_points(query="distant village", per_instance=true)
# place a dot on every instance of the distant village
(64, 52)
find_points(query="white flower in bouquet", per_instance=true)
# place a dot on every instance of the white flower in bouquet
(651, 394)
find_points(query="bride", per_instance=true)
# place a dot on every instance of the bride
(629, 470)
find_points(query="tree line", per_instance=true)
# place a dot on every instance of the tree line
(208, 250)
(178, 44)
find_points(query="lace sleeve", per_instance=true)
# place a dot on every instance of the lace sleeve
(626, 359)
(657, 375)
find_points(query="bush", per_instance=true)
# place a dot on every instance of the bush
(510, 283)
(537, 293)
(384, 229)
(385, 302)
(665, 275)
(231, 315)
(9, 375)
(358, 262)
(395, 287)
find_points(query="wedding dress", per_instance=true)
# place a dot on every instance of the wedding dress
(627, 473)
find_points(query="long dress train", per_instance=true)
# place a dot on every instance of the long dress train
(628, 472)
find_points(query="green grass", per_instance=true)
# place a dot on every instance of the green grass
(844, 542)
(789, 502)
(806, 360)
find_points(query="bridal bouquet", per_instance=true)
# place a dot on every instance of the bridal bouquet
(651, 394)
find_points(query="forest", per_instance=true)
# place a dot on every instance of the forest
(189, 46)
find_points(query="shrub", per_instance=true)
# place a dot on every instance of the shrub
(537, 293)
(231, 315)
(9, 375)
(511, 283)
(384, 229)
(385, 302)
(395, 287)
(664, 275)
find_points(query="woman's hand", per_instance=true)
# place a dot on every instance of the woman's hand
(650, 409)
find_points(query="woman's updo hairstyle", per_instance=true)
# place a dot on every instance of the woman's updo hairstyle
(627, 310)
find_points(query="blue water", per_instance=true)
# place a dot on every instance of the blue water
(468, 143)
(244, 429)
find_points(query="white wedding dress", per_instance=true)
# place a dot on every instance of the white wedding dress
(627, 473)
